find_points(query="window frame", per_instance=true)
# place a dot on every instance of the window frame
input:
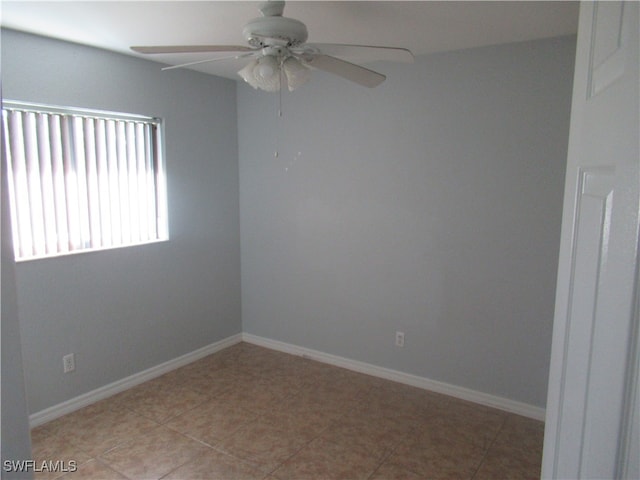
(159, 162)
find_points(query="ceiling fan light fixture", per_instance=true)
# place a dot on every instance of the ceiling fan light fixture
(267, 68)
(297, 74)
(263, 74)
(247, 73)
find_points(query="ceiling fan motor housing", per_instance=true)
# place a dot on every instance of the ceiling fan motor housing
(275, 31)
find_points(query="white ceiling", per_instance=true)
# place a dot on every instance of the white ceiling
(422, 26)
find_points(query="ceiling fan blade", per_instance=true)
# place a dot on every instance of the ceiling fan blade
(182, 65)
(191, 49)
(369, 52)
(350, 71)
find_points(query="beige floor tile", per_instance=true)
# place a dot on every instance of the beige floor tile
(212, 421)
(85, 416)
(437, 456)
(254, 400)
(213, 383)
(400, 402)
(95, 432)
(267, 364)
(377, 438)
(152, 455)
(323, 460)
(213, 465)
(263, 445)
(516, 452)
(308, 423)
(55, 448)
(288, 374)
(392, 407)
(282, 383)
(480, 431)
(522, 432)
(319, 399)
(504, 462)
(159, 400)
(393, 472)
(93, 470)
(41, 432)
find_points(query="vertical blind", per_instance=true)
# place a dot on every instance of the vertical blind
(82, 181)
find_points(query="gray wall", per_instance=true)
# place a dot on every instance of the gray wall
(16, 443)
(430, 205)
(122, 311)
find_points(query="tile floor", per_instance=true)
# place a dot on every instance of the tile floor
(251, 413)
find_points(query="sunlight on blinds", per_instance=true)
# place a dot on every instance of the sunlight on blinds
(82, 182)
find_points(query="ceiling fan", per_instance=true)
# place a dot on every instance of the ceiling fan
(280, 55)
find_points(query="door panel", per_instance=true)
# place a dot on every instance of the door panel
(607, 57)
(594, 352)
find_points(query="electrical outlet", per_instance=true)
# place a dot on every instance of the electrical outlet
(69, 363)
(399, 339)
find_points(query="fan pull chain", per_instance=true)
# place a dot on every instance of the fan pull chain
(282, 80)
(279, 123)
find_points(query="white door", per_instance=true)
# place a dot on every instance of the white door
(590, 430)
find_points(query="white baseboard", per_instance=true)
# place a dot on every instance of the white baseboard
(101, 393)
(501, 403)
(106, 391)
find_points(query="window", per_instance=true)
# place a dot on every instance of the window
(82, 180)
